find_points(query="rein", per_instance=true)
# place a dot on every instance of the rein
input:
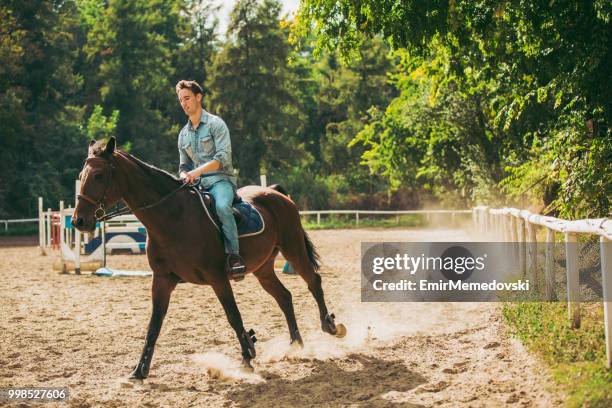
(101, 214)
(126, 210)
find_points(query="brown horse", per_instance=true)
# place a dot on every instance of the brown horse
(184, 245)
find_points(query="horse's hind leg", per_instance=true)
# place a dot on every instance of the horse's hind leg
(270, 282)
(224, 293)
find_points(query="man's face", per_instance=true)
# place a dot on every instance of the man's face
(189, 102)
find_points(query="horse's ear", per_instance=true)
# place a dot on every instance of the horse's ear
(90, 147)
(110, 146)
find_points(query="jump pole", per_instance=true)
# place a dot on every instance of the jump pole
(41, 227)
(77, 233)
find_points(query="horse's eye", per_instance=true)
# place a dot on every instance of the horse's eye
(98, 177)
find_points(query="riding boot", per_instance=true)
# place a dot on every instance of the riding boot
(235, 267)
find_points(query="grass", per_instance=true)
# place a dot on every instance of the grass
(342, 221)
(577, 357)
(30, 228)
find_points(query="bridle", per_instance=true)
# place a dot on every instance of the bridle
(100, 205)
(100, 213)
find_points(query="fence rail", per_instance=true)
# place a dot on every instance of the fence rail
(19, 221)
(357, 213)
(519, 226)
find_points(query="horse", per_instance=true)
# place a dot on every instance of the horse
(183, 244)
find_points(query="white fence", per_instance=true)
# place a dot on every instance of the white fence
(19, 221)
(452, 213)
(520, 227)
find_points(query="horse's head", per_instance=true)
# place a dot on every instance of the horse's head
(98, 189)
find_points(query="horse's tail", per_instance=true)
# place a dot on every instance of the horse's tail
(313, 255)
(279, 188)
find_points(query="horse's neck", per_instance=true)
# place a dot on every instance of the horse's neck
(139, 188)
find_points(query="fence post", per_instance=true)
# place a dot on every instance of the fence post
(573, 280)
(61, 224)
(522, 245)
(606, 283)
(507, 226)
(532, 259)
(356, 217)
(514, 240)
(49, 225)
(318, 218)
(41, 226)
(549, 267)
(494, 226)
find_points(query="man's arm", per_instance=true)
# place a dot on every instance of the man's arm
(223, 144)
(185, 162)
(223, 150)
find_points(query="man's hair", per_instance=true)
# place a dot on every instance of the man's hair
(191, 85)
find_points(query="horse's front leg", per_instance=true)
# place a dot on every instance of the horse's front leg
(247, 340)
(161, 290)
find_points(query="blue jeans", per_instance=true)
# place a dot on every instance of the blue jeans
(223, 191)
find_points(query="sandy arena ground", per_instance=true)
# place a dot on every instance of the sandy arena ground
(86, 333)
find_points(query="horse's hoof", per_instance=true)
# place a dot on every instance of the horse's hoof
(340, 330)
(296, 340)
(297, 344)
(246, 366)
(138, 374)
(250, 340)
(328, 325)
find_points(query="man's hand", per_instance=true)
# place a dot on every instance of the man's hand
(189, 177)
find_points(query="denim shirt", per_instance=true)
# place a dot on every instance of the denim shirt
(210, 140)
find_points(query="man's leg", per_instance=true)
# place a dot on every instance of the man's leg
(223, 191)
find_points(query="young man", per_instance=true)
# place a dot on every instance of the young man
(204, 146)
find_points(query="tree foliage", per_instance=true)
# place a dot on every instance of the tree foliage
(369, 104)
(249, 80)
(509, 94)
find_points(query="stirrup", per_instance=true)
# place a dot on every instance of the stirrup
(235, 267)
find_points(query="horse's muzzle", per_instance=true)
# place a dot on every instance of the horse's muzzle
(80, 224)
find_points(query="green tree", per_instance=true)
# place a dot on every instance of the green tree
(249, 84)
(199, 41)
(515, 86)
(132, 45)
(39, 109)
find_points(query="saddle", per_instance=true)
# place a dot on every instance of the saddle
(248, 219)
(209, 202)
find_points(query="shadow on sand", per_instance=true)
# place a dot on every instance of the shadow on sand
(330, 385)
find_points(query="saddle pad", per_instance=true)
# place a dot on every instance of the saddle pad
(249, 223)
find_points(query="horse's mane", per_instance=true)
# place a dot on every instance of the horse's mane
(148, 169)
